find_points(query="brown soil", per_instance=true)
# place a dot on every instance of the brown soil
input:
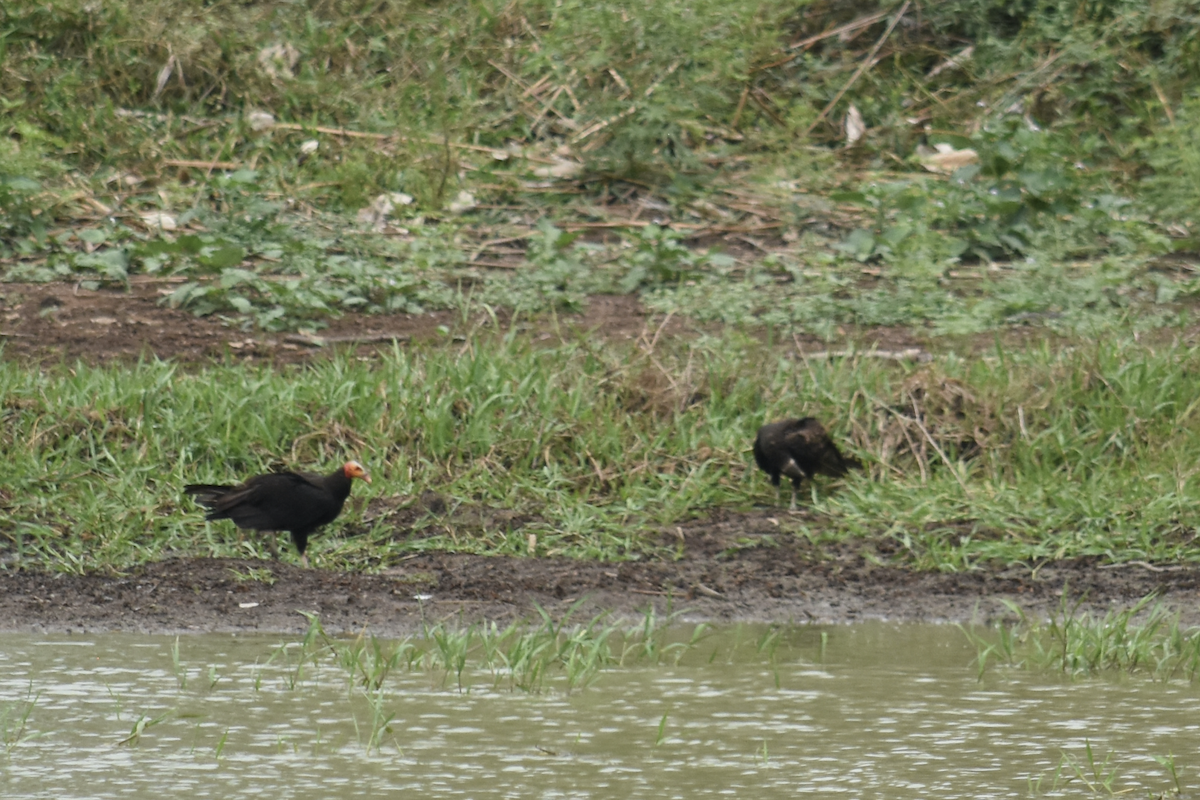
(55, 321)
(50, 322)
(733, 567)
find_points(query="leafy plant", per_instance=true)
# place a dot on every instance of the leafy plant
(660, 257)
(1023, 196)
(274, 300)
(559, 274)
(1172, 151)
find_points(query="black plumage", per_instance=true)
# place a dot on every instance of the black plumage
(799, 449)
(295, 502)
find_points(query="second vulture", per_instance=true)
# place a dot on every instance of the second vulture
(799, 449)
(295, 502)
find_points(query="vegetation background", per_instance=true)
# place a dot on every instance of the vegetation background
(953, 169)
(296, 159)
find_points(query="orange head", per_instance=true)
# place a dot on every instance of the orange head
(353, 469)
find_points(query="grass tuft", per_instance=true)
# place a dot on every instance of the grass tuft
(1145, 638)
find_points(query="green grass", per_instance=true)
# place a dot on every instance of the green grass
(1144, 638)
(700, 114)
(14, 720)
(1008, 457)
(1095, 777)
(528, 656)
(533, 657)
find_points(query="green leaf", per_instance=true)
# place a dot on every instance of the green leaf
(1040, 182)
(956, 247)
(21, 184)
(895, 234)
(92, 235)
(190, 243)
(158, 247)
(850, 197)
(860, 244)
(244, 176)
(153, 264)
(966, 174)
(236, 277)
(185, 292)
(222, 257)
(112, 263)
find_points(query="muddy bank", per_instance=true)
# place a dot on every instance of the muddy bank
(733, 567)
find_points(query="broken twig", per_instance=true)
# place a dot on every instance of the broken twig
(861, 68)
(310, 340)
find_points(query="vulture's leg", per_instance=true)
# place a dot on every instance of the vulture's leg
(795, 491)
(268, 538)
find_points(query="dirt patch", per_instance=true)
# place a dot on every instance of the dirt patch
(57, 321)
(49, 322)
(731, 567)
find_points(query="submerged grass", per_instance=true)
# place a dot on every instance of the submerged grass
(525, 656)
(364, 694)
(593, 448)
(14, 720)
(1097, 778)
(543, 655)
(1145, 638)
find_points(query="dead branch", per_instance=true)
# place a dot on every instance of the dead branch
(861, 22)
(349, 134)
(938, 450)
(195, 164)
(866, 63)
(600, 125)
(312, 340)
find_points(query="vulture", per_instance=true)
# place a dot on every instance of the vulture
(295, 502)
(799, 449)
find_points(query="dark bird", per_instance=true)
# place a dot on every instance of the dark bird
(295, 502)
(799, 449)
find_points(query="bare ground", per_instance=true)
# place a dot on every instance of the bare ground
(51, 322)
(733, 567)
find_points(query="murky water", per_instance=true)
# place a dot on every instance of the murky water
(877, 711)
